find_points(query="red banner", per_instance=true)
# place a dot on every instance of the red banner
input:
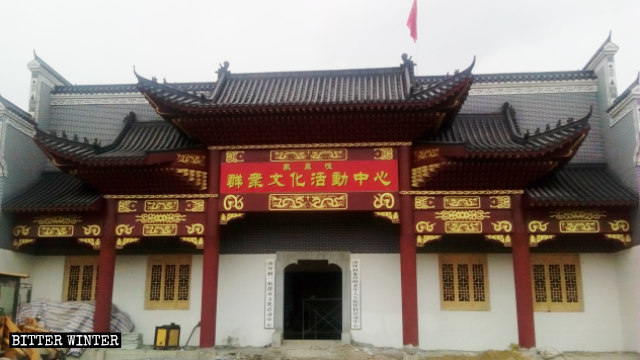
(308, 177)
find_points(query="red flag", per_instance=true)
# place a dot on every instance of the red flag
(412, 22)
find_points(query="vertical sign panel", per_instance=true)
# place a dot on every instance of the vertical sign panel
(356, 321)
(269, 291)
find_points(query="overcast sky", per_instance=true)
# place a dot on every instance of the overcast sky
(99, 42)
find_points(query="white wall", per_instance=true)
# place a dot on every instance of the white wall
(598, 327)
(16, 263)
(381, 300)
(467, 330)
(628, 271)
(48, 272)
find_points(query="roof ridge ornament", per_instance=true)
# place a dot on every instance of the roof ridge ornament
(223, 70)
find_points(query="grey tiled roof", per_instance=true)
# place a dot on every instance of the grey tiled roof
(581, 185)
(16, 110)
(127, 88)
(55, 191)
(520, 77)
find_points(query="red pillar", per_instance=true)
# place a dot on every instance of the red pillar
(408, 276)
(522, 277)
(107, 264)
(210, 257)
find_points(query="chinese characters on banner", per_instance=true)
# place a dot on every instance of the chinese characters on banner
(309, 177)
(269, 294)
(356, 321)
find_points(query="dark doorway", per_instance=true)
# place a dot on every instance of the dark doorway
(312, 300)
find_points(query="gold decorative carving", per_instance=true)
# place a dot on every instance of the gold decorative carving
(500, 202)
(159, 229)
(191, 159)
(193, 205)
(505, 239)
(197, 241)
(161, 218)
(195, 229)
(308, 146)
(226, 217)
(91, 230)
(124, 229)
(384, 200)
(463, 227)
(162, 196)
(578, 214)
(535, 226)
(461, 202)
(55, 230)
(385, 153)
(18, 243)
(196, 177)
(58, 220)
(21, 230)
(308, 155)
(161, 205)
(425, 226)
(579, 226)
(233, 202)
(462, 192)
(463, 215)
(332, 201)
(127, 206)
(423, 239)
(424, 154)
(419, 174)
(623, 238)
(234, 157)
(534, 240)
(502, 225)
(424, 202)
(124, 241)
(619, 225)
(93, 242)
(393, 216)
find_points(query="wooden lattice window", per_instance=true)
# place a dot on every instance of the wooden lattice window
(464, 283)
(80, 278)
(556, 282)
(168, 280)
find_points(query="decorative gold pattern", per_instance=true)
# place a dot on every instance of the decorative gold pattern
(91, 230)
(534, 240)
(93, 242)
(309, 146)
(18, 243)
(226, 217)
(333, 201)
(383, 153)
(505, 239)
(161, 205)
(500, 202)
(419, 174)
(127, 206)
(423, 239)
(623, 238)
(308, 155)
(124, 241)
(193, 205)
(535, 226)
(159, 229)
(234, 157)
(393, 216)
(124, 229)
(55, 230)
(619, 225)
(424, 202)
(161, 218)
(21, 230)
(578, 214)
(197, 229)
(424, 226)
(233, 202)
(463, 227)
(462, 192)
(191, 159)
(461, 202)
(385, 200)
(196, 177)
(58, 220)
(162, 196)
(463, 215)
(424, 154)
(197, 241)
(579, 226)
(502, 225)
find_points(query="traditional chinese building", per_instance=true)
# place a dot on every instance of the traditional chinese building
(369, 205)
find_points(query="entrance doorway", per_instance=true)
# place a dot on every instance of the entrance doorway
(312, 300)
